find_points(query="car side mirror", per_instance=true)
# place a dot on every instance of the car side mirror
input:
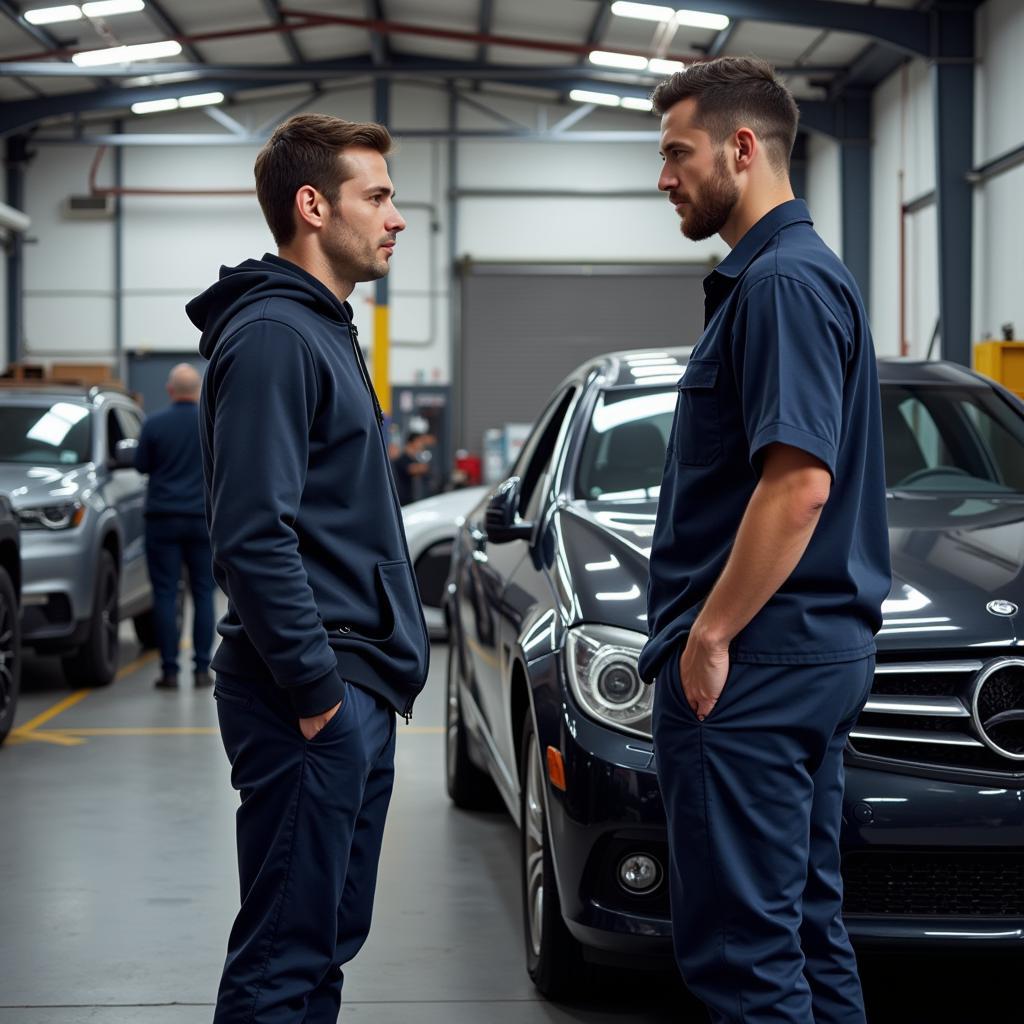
(500, 517)
(124, 453)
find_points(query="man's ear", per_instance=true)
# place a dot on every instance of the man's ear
(309, 206)
(745, 146)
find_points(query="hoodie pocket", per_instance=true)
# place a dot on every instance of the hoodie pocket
(399, 604)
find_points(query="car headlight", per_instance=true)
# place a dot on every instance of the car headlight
(601, 662)
(52, 517)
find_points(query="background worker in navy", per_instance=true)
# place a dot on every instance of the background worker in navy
(176, 529)
(769, 565)
(324, 639)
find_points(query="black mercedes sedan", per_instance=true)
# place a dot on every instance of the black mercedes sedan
(546, 606)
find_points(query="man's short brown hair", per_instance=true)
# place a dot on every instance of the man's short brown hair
(305, 151)
(732, 92)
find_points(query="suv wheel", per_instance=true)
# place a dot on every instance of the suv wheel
(554, 959)
(10, 653)
(95, 662)
(469, 787)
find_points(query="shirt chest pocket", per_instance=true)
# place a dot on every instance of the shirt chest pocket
(698, 439)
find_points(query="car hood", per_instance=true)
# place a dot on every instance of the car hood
(37, 485)
(951, 557)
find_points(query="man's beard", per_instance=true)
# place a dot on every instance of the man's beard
(713, 205)
(349, 258)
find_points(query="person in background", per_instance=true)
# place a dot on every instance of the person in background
(176, 530)
(409, 469)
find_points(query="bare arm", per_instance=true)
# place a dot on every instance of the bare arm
(776, 528)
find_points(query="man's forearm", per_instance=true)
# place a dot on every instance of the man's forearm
(773, 536)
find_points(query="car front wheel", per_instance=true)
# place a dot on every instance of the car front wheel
(554, 958)
(10, 654)
(95, 662)
(469, 788)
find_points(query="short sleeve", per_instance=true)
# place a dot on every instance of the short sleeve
(790, 355)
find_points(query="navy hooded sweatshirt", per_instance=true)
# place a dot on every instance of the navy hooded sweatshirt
(307, 535)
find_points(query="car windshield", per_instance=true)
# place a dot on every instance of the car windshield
(938, 439)
(54, 434)
(951, 440)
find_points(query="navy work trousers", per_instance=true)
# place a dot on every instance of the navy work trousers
(171, 540)
(309, 833)
(753, 796)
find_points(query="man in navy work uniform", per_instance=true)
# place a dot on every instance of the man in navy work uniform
(176, 525)
(769, 565)
(324, 639)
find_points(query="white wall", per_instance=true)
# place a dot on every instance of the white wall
(174, 246)
(823, 192)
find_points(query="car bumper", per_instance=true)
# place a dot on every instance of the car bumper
(927, 863)
(58, 577)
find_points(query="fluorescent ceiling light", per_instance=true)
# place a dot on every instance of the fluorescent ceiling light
(127, 54)
(160, 79)
(636, 103)
(154, 106)
(618, 60)
(665, 67)
(645, 12)
(108, 8)
(700, 19)
(601, 98)
(203, 99)
(53, 15)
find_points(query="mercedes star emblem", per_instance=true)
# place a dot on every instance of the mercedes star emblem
(1001, 608)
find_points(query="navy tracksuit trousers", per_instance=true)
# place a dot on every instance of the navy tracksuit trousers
(753, 796)
(309, 833)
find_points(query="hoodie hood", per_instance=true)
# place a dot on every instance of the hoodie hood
(253, 281)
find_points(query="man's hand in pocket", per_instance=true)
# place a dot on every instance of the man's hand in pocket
(703, 668)
(311, 726)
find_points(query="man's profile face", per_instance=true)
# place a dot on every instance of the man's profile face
(360, 232)
(695, 174)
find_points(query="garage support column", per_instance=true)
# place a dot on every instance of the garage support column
(953, 84)
(120, 363)
(853, 117)
(16, 159)
(381, 324)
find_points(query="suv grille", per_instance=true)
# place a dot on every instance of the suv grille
(965, 715)
(968, 883)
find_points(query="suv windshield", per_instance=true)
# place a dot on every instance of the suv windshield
(937, 439)
(56, 434)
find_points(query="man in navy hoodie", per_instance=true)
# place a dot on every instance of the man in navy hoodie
(324, 639)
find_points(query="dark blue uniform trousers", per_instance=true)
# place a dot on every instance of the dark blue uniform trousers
(753, 796)
(169, 541)
(309, 833)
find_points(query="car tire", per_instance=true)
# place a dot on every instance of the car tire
(10, 653)
(95, 662)
(554, 959)
(469, 788)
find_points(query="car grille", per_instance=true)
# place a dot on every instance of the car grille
(923, 714)
(968, 883)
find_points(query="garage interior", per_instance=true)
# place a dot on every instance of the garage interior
(526, 169)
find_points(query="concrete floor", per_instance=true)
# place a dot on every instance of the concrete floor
(118, 883)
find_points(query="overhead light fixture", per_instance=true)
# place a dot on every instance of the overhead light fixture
(108, 8)
(665, 67)
(53, 15)
(636, 103)
(154, 106)
(701, 19)
(160, 79)
(652, 12)
(202, 99)
(643, 12)
(127, 54)
(603, 99)
(618, 60)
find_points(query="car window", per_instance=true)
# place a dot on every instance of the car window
(623, 454)
(114, 433)
(48, 434)
(940, 438)
(538, 450)
(130, 423)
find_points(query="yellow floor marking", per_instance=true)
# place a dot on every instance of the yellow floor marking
(133, 666)
(61, 706)
(144, 731)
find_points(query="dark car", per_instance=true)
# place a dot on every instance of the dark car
(10, 616)
(547, 610)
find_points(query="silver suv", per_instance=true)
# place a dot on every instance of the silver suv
(67, 463)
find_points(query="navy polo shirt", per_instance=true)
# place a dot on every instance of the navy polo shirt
(786, 357)
(169, 452)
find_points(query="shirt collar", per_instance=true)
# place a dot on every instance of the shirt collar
(794, 211)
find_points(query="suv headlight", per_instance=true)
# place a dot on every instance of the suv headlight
(601, 662)
(63, 516)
